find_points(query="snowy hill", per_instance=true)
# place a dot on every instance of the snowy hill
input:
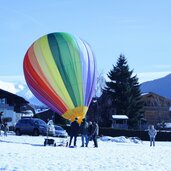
(160, 86)
(20, 89)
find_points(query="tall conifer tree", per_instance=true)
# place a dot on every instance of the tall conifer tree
(125, 92)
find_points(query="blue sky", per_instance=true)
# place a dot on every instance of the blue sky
(141, 30)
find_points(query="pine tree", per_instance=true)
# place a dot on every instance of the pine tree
(125, 92)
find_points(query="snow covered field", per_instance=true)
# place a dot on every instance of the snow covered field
(27, 153)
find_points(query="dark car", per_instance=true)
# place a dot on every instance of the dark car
(31, 126)
(60, 132)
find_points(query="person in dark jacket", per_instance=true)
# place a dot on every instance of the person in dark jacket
(74, 131)
(1, 113)
(93, 131)
(84, 132)
(5, 128)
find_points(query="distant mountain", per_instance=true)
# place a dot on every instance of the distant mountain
(20, 89)
(161, 86)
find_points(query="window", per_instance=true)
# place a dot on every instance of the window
(3, 101)
(41, 122)
(23, 121)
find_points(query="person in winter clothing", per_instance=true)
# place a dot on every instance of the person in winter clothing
(1, 113)
(0, 128)
(5, 129)
(93, 131)
(74, 131)
(90, 127)
(152, 134)
(84, 132)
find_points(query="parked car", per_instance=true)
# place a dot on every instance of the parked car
(31, 126)
(60, 132)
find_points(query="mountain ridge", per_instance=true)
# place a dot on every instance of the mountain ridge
(20, 89)
(159, 86)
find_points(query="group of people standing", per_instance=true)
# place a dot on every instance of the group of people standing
(88, 130)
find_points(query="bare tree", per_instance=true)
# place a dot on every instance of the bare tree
(100, 84)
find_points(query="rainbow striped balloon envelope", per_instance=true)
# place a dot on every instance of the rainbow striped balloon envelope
(59, 69)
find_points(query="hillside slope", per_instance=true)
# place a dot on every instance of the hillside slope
(161, 86)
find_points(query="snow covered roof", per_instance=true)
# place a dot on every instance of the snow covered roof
(119, 117)
(143, 94)
(40, 111)
(12, 98)
(167, 125)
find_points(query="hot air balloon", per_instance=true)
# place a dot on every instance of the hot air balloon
(60, 70)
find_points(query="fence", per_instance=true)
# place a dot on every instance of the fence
(143, 135)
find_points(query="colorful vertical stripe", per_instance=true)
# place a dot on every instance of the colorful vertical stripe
(60, 70)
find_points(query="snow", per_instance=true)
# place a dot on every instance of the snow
(8, 87)
(20, 89)
(25, 153)
(167, 125)
(119, 117)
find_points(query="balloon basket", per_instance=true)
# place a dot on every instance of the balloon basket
(49, 142)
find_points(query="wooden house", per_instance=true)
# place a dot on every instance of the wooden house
(157, 109)
(11, 107)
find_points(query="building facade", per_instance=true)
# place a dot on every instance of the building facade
(157, 109)
(11, 107)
